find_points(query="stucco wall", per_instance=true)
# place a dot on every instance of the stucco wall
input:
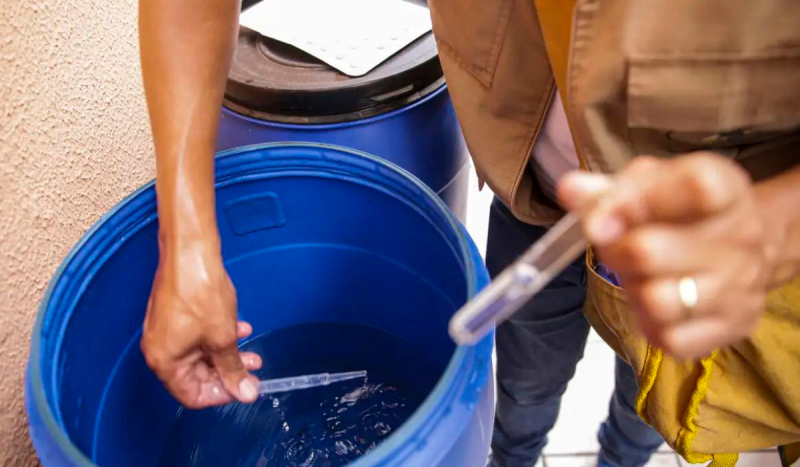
(74, 139)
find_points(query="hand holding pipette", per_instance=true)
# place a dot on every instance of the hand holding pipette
(685, 236)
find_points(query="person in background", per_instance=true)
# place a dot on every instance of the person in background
(697, 233)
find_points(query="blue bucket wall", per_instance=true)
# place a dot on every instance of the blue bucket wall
(311, 233)
(424, 138)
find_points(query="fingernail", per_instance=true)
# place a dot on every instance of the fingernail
(605, 230)
(248, 390)
(216, 391)
(589, 183)
(243, 328)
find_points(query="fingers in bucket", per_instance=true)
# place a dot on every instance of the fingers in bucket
(230, 365)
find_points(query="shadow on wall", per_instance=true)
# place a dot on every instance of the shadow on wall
(74, 140)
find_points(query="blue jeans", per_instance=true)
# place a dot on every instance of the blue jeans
(537, 351)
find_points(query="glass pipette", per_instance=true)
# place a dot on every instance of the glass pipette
(515, 286)
(294, 383)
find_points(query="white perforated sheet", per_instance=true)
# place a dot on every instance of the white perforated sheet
(353, 36)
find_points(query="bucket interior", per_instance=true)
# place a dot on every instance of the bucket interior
(310, 235)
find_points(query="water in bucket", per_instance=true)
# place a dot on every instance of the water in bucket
(321, 427)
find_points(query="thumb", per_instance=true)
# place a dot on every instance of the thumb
(228, 364)
(579, 190)
(581, 193)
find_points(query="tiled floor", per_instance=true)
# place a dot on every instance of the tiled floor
(573, 441)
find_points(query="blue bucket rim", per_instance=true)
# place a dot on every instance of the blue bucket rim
(384, 453)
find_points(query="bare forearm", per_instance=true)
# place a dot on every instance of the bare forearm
(186, 48)
(779, 201)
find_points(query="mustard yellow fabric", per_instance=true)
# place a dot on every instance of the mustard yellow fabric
(741, 398)
(555, 20)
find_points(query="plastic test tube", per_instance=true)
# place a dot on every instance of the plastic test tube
(294, 383)
(515, 286)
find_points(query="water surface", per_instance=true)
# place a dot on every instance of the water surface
(322, 427)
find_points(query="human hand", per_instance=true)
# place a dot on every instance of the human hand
(687, 241)
(191, 331)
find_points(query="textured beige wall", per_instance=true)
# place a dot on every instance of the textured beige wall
(74, 140)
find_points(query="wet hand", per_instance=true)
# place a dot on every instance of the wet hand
(686, 239)
(191, 330)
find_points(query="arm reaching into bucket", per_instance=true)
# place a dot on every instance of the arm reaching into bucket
(191, 330)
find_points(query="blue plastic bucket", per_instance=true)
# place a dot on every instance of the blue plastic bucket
(306, 230)
(424, 138)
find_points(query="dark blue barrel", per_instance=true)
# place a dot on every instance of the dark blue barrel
(400, 111)
(311, 234)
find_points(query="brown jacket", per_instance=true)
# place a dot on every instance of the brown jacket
(658, 77)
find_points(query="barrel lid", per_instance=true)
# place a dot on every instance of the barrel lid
(274, 80)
